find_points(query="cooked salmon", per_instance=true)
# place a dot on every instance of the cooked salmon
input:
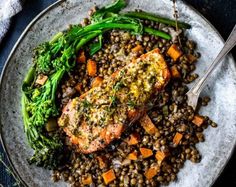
(96, 118)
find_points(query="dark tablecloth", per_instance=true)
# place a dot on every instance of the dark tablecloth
(221, 13)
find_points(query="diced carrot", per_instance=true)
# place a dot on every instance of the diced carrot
(177, 138)
(41, 79)
(101, 161)
(160, 156)
(174, 72)
(78, 87)
(97, 81)
(91, 67)
(87, 180)
(147, 124)
(81, 58)
(198, 120)
(113, 75)
(134, 114)
(137, 48)
(109, 176)
(152, 171)
(191, 58)
(146, 152)
(133, 155)
(133, 139)
(174, 52)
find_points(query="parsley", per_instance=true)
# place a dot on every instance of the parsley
(131, 103)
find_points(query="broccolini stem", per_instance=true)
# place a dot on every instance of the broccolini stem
(157, 33)
(152, 17)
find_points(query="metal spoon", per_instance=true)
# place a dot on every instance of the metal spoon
(194, 92)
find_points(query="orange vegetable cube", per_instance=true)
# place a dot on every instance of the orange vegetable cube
(137, 48)
(97, 81)
(91, 67)
(147, 124)
(109, 176)
(198, 120)
(152, 171)
(87, 180)
(160, 155)
(177, 138)
(81, 58)
(101, 161)
(78, 87)
(133, 156)
(174, 52)
(133, 139)
(146, 152)
(174, 72)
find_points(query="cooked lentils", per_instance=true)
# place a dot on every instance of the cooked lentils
(170, 114)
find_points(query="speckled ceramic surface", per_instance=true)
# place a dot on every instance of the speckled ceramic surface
(221, 88)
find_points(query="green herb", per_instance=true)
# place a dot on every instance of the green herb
(95, 47)
(118, 86)
(86, 104)
(114, 101)
(131, 104)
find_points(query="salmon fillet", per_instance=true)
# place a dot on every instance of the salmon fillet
(100, 115)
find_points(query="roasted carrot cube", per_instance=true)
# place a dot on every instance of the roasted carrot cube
(87, 180)
(147, 124)
(174, 72)
(101, 161)
(109, 176)
(133, 155)
(133, 139)
(78, 87)
(152, 171)
(81, 58)
(91, 67)
(97, 81)
(146, 152)
(160, 156)
(174, 52)
(177, 138)
(137, 49)
(198, 120)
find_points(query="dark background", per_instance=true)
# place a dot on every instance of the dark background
(221, 13)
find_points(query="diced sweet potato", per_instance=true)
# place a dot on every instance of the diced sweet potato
(109, 176)
(174, 52)
(133, 155)
(91, 67)
(87, 180)
(160, 155)
(133, 139)
(146, 152)
(137, 48)
(152, 171)
(97, 81)
(81, 57)
(177, 138)
(41, 79)
(78, 87)
(147, 124)
(198, 120)
(174, 72)
(101, 161)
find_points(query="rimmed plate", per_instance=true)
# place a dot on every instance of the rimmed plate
(220, 141)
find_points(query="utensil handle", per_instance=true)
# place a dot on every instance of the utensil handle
(229, 44)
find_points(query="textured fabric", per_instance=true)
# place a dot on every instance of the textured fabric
(8, 8)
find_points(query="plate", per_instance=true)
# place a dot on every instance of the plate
(219, 143)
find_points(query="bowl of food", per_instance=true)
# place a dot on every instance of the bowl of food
(100, 100)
